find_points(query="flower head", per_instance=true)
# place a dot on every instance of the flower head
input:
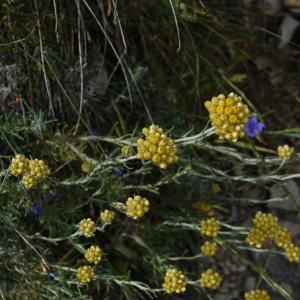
(156, 147)
(85, 274)
(292, 253)
(257, 295)
(228, 115)
(174, 282)
(137, 206)
(35, 211)
(38, 169)
(210, 227)
(265, 227)
(253, 127)
(29, 181)
(210, 279)
(19, 165)
(87, 227)
(255, 237)
(282, 237)
(50, 277)
(93, 254)
(266, 223)
(107, 216)
(285, 151)
(209, 248)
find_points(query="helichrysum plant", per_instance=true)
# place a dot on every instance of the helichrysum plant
(157, 147)
(174, 282)
(210, 279)
(107, 216)
(209, 248)
(285, 152)
(228, 115)
(85, 274)
(257, 295)
(87, 227)
(137, 206)
(93, 254)
(32, 171)
(265, 228)
(210, 227)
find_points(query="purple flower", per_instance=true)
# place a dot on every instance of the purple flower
(35, 211)
(253, 127)
(118, 172)
(50, 277)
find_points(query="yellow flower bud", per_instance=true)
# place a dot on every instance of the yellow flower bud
(210, 227)
(93, 254)
(137, 206)
(210, 279)
(19, 165)
(85, 274)
(156, 147)
(209, 248)
(87, 227)
(257, 295)
(174, 282)
(285, 152)
(228, 115)
(107, 216)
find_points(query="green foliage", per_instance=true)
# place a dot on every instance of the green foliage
(84, 77)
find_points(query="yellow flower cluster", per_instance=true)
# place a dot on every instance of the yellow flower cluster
(210, 279)
(174, 282)
(257, 295)
(31, 170)
(137, 206)
(285, 152)
(228, 115)
(292, 253)
(156, 147)
(19, 165)
(93, 254)
(107, 216)
(85, 274)
(266, 227)
(209, 248)
(210, 227)
(87, 227)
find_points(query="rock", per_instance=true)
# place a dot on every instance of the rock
(250, 283)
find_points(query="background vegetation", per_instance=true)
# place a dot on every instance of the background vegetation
(80, 79)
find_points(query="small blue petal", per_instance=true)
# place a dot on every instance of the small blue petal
(118, 172)
(253, 127)
(35, 211)
(50, 277)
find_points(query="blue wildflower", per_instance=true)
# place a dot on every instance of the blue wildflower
(118, 172)
(253, 127)
(50, 277)
(35, 211)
